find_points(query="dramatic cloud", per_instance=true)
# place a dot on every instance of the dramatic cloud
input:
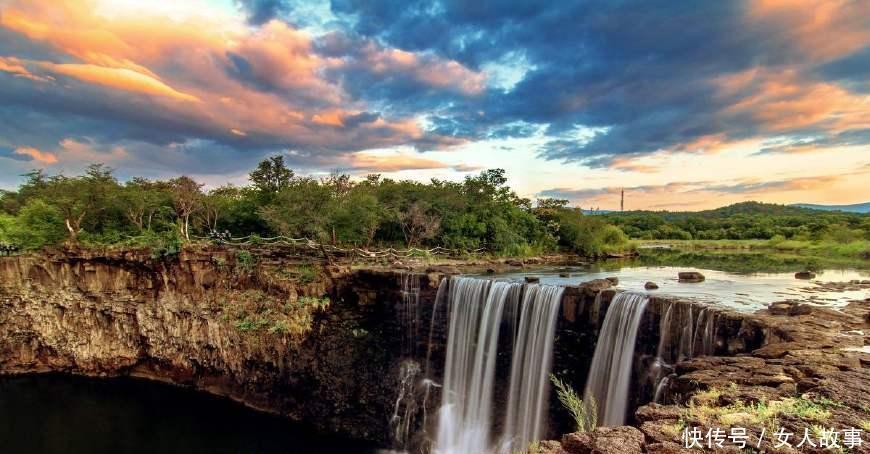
(616, 88)
(698, 194)
(36, 155)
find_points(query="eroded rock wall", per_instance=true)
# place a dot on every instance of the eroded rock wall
(170, 320)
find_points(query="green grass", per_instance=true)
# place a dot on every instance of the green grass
(706, 408)
(256, 313)
(246, 261)
(307, 273)
(585, 419)
(758, 255)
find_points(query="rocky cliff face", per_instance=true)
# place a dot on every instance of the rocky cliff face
(261, 333)
(326, 345)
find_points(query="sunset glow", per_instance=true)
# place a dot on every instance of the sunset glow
(773, 107)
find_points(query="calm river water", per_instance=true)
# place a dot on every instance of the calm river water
(71, 415)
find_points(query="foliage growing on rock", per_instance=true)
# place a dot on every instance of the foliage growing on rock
(254, 312)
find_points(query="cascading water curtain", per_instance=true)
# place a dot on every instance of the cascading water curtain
(610, 373)
(464, 420)
(530, 367)
(478, 308)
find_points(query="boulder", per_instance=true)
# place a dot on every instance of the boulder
(605, 440)
(650, 285)
(613, 280)
(532, 279)
(597, 285)
(804, 275)
(546, 447)
(690, 276)
(564, 274)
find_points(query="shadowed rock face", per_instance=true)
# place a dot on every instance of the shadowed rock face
(126, 314)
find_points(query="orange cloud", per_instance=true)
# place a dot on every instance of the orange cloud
(38, 156)
(331, 118)
(119, 78)
(782, 101)
(393, 163)
(278, 94)
(15, 67)
(631, 165)
(821, 29)
(427, 69)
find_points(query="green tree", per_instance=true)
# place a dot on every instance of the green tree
(38, 224)
(271, 176)
(187, 200)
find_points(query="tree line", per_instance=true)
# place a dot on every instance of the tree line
(745, 221)
(95, 208)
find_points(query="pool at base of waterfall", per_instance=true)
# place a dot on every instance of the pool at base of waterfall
(46, 414)
(745, 292)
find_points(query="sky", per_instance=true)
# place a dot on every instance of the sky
(685, 105)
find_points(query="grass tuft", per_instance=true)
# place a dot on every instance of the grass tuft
(585, 418)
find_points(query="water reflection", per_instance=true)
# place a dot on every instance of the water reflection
(62, 414)
(746, 292)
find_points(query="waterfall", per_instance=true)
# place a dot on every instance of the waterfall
(439, 296)
(610, 373)
(691, 337)
(406, 407)
(406, 402)
(466, 401)
(478, 309)
(410, 312)
(530, 367)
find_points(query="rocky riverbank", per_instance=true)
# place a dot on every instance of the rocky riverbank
(810, 373)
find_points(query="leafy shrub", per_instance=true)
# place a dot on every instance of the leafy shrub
(245, 261)
(256, 313)
(306, 274)
(38, 224)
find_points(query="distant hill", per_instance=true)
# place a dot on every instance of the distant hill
(755, 208)
(748, 208)
(854, 208)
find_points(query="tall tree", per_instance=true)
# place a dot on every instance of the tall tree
(271, 176)
(187, 199)
(418, 224)
(143, 200)
(79, 197)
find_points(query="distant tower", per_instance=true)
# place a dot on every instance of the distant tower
(622, 201)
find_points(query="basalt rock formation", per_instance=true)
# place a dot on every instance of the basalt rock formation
(329, 345)
(261, 333)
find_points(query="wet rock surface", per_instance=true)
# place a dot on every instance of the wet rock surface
(690, 276)
(811, 366)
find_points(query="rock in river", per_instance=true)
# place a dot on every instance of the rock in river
(690, 276)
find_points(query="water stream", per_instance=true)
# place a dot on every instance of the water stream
(610, 374)
(479, 309)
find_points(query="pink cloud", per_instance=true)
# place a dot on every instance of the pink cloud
(41, 157)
